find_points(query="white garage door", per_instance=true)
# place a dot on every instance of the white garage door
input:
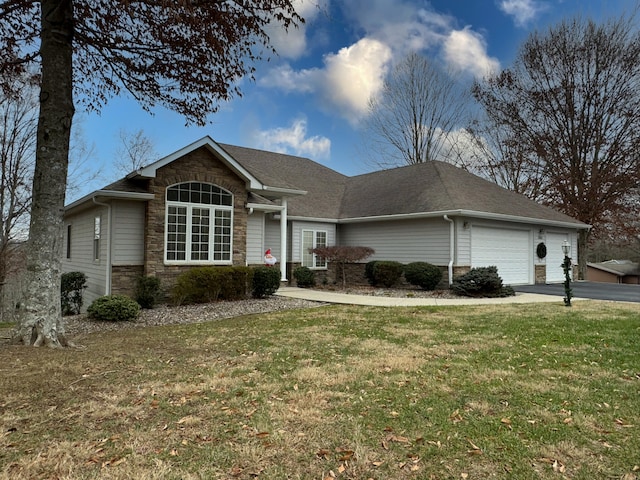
(509, 250)
(555, 257)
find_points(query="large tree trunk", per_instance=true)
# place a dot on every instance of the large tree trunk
(40, 315)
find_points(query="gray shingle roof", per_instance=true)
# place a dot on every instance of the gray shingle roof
(324, 187)
(422, 188)
(436, 187)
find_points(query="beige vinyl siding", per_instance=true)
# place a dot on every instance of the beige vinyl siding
(82, 232)
(463, 241)
(297, 228)
(272, 236)
(128, 233)
(421, 240)
(255, 238)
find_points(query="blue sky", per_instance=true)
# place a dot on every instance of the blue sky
(310, 100)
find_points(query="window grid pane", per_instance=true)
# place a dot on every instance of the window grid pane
(321, 241)
(222, 235)
(190, 233)
(200, 234)
(202, 193)
(176, 233)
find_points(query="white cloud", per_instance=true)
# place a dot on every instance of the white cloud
(466, 50)
(389, 31)
(347, 81)
(522, 11)
(354, 74)
(286, 78)
(293, 140)
(293, 43)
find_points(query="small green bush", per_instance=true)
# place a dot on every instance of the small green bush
(147, 291)
(114, 308)
(481, 282)
(210, 284)
(387, 273)
(423, 275)
(305, 277)
(72, 284)
(266, 281)
(368, 271)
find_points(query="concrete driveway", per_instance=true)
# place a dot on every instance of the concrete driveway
(593, 290)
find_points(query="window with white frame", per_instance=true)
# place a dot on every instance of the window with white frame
(313, 239)
(199, 224)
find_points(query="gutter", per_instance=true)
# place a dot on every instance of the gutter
(452, 246)
(107, 288)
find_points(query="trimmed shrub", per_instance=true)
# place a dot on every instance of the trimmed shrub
(237, 282)
(114, 308)
(481, 282)
(210, 284)
(71, 287)
(423, 275)
(305, 277)
(266, 281)
(387, 273)
(368, 271)
(147, 291)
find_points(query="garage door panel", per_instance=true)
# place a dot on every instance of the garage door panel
(509, 250)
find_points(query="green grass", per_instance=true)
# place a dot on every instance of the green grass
(513, 391)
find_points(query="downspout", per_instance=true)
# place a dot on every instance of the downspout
(452, 246)
(283, 241)
(108, 269)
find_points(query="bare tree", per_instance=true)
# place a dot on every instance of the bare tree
(18, 120)
(186, 55)
(134, 151)
(572, 101)
(416, 116)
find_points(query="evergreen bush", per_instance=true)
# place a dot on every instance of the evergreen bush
(210, 284)
(387, 273)
(147, 291)
(481, 282)
(72, 285)
(305, 277)
(423, 275)
(266, 281)
(114, 308)
(368, 271)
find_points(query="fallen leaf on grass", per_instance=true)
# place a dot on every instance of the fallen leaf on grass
(558, 467)
(474, 448)
(623, 423)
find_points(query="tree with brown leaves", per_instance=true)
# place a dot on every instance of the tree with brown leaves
(187, 55)
(570, 105)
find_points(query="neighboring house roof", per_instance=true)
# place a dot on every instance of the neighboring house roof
(314, 191)
(617, 267)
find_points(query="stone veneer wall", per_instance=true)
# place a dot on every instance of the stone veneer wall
(124, 279)
(541, 273)
(198, 166)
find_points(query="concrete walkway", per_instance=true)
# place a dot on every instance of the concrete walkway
(327, 296)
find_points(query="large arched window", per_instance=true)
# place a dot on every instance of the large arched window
(199, 224)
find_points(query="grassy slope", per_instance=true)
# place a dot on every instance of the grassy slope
(518, 392)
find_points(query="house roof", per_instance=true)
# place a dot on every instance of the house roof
(314, 191)
(438, 187)
(617, 267)
(324, 186)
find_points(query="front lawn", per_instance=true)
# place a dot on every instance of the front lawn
(509, 391)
